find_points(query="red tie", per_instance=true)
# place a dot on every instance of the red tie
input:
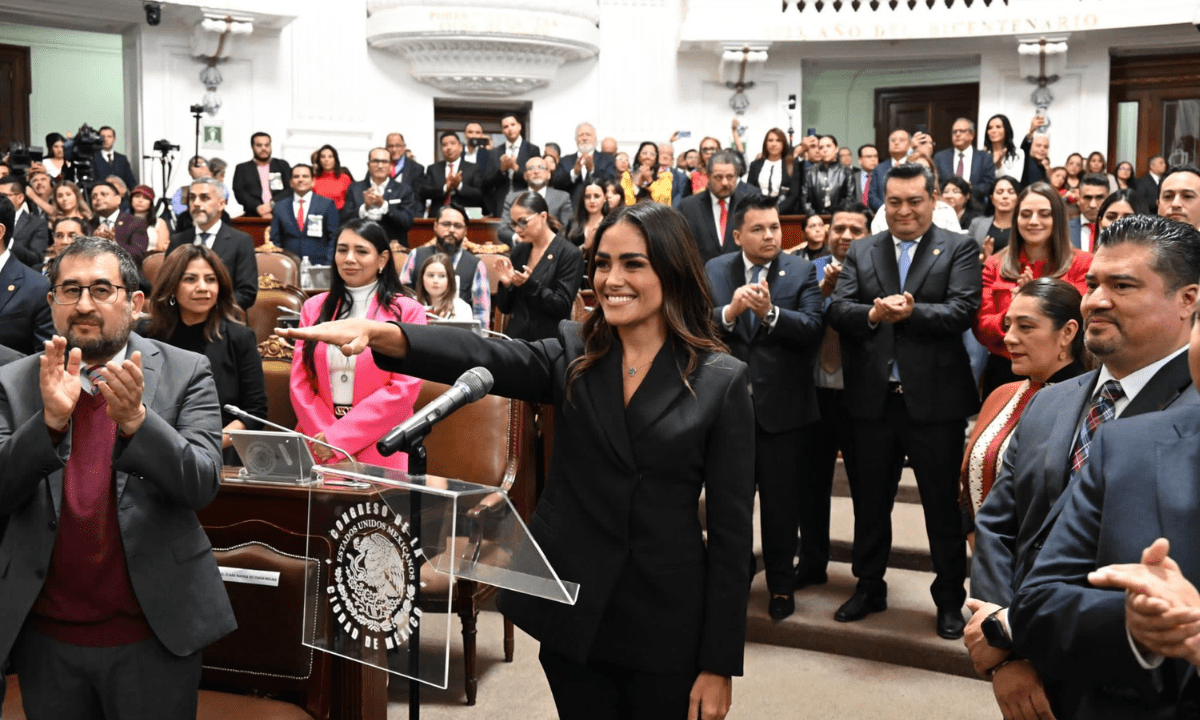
(1092, 239)
(449, 172)
(959, 171)
(724, 219)
(866, 188)
(300, 215)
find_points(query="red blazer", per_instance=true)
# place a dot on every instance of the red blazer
(997, 296)
(382, 400)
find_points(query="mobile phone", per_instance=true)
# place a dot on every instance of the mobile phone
(792, 102)
(812, 132)
(922, 128)
(685, 133)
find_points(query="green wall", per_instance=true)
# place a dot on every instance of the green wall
(841, 101)
(77, 78)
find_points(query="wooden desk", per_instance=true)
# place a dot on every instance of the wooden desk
(358, 692)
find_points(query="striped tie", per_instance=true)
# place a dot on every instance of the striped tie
(93, 374)
(1102, 410)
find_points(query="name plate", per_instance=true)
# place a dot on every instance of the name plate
(250, 577)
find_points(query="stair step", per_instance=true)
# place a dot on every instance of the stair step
(904, 634)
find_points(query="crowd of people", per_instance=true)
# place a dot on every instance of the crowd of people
(932, 287)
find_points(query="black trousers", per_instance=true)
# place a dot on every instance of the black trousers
(601, 690)
(141, 681)
(783, 477)
(832, 433)
(935, 452)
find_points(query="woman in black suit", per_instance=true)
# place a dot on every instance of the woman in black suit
(773, 172)
(192, 307)
(542, 292)
(649, 410)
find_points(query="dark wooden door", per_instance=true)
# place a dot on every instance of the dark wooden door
(929, 108)
(15, 86)
(455, 114)
(1165, 90)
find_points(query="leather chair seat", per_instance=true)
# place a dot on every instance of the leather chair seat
(223, 706)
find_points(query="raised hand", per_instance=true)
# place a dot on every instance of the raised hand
(353, 336)
(59, 380)
(122, 387)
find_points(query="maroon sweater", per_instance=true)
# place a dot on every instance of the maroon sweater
(88, 598)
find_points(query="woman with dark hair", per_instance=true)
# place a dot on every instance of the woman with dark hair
(1097, 164)
(646, 181)
(816, 233)
(349, 401)
(1009, 159)
(192, 307)
(772, 173)
(141, 205)
(55, 159)
(438, 289)
(1039, 247)
(992, 232)
(542, 292)
(1122, 203)
(1074, 172)
(589, 211)
(649, 410)
(956, 192)
(1043, 333)
(330, 179)
(1125, 176)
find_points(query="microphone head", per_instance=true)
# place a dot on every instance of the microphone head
(233, 409)
(478, 382)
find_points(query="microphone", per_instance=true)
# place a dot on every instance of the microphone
(469, 387)
(243, 415)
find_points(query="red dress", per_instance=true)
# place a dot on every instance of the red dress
(997, 295)
(333, 187)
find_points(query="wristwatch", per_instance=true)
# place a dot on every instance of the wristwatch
(771, 315)
(994, 632)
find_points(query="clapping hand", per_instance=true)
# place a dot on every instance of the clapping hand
(1025, 277)
(59, 380)
(891, 309)
(829, 282)
(508, 275)
(122, 390)
(372, 198)
(453, 181)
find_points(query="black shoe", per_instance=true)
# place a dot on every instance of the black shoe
(805, 579)
(950, 623)
(780, 606)
(861, 604)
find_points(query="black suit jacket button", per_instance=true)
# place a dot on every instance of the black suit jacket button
(53, 524)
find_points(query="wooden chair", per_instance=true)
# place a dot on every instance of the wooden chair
(151, 264)
(263, 669)
(282, 265)
(277, 370)
(263, 315)
(487, 442)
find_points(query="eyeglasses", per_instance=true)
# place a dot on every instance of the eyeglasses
(69, 294)
(961, 131)
(529, 168)
(451, 225)
(520, 224)
(377, 161)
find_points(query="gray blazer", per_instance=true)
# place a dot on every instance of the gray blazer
(166, 472)
(979, 229)
(558, 201)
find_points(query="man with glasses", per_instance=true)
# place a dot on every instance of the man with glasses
(575, 170)
(404, 169)
(110, 444)
(537, 178)
(25, 321)
(967, 161)
(31, 234)
(381, 198)
(449, 231)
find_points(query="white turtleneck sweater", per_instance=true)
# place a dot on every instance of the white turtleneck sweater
(341, 368)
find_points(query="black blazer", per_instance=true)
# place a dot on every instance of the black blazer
(1025, 499)
(120, 167)
(945, 279)
(1148, 189)
(697, 210)
(548, 295)
(25, 320)
(790, 188)
(247, 187)
(468, 194)
(781, 360)
(1141, 482)
(402, 207)
(604, 167)
(501, 185)
(619, 514)
(236, 250)
(983, 171)
(31, 236)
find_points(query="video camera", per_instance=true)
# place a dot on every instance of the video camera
(84, 146)
(164, 147)
(20, 158)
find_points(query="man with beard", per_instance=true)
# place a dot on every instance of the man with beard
(206, 205)
(1137, 317)
(110, 221)
(42, 196)
(258, 183)
(110, 444)
(509, 158)
(449, 231)
(25, 321)
(379, 197)
(575, 170)
(537, 177)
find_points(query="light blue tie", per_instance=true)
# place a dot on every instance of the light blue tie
(754, 277)
(905, 263)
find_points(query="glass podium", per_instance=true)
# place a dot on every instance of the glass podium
(402, 543)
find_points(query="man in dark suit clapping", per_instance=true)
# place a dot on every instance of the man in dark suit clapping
(709, 213)
(768, 304)
(509, 159)
(453, 179)
(967, 161)
(404, 169)
(379, 197)
(576, 169)
(903, 300)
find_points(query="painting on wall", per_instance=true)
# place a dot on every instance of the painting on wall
(212, 134)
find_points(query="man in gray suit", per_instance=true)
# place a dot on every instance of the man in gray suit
(537, 176)
(110, 444)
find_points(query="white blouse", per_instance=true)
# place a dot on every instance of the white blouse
(770, 178)
(1013, 167)
(341, 368)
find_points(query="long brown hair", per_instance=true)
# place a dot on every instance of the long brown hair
(786, 157)
(443, 306)
(165, 310)
(1062, 254)
(687, 308)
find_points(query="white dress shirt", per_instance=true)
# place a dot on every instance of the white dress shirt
(770, 178)
(966, 155)
(211, 232)
(773, 316)
(374, 213)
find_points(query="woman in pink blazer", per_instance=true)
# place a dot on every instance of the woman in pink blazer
(348, 401)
